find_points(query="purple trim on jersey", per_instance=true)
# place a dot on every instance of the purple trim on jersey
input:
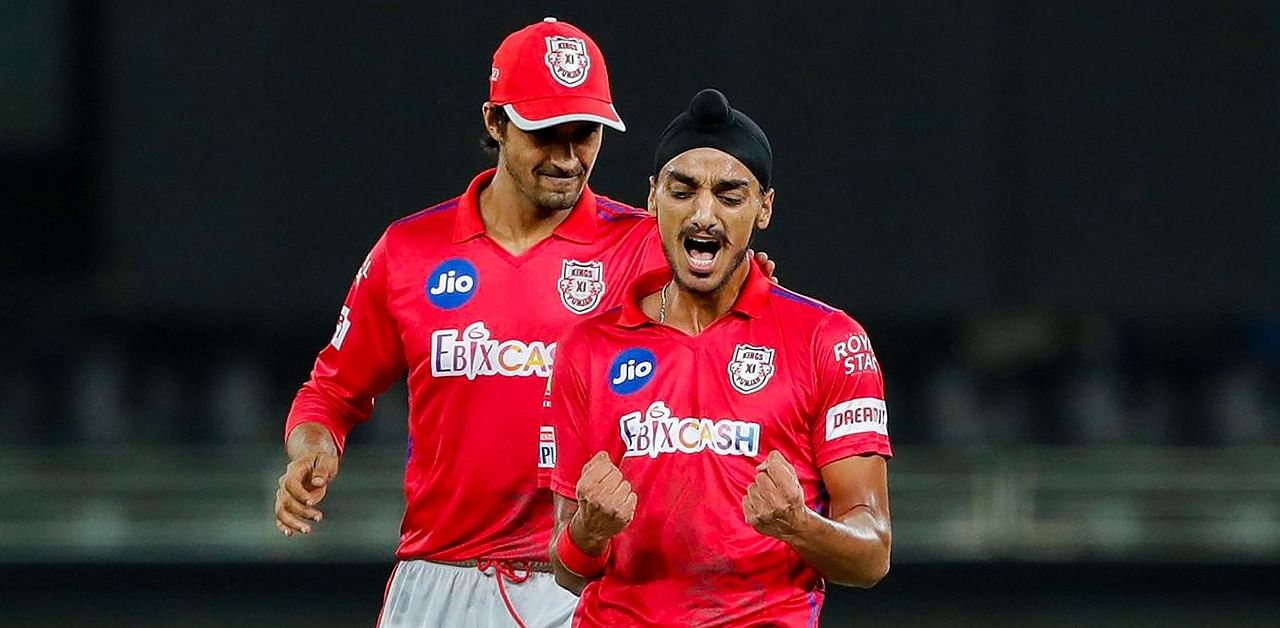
(615, 206)
(823, 502)
(613, 210)
(801, 299)
(813, 609)
(450, 204)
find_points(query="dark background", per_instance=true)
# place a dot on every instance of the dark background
(1060, 222)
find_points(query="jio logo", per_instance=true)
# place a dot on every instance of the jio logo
(452, 284)
(631, 370)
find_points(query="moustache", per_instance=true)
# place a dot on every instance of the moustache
(714, 233)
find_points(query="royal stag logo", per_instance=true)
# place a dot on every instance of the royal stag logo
(751, 368)
(568, 61)
(581, 285)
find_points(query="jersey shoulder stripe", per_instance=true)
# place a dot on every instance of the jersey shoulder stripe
(795, 297)
(610, 210)
(449, 204)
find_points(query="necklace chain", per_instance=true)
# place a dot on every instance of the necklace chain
(662, 304)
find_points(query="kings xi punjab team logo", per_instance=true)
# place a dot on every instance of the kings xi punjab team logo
(567, 59)
(751, 368)
(581, 285)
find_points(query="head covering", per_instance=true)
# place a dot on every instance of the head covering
(711, 122)
(550, 73)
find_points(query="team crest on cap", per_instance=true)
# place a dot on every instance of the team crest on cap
(751, 368)
(567, 59)
(581, 285)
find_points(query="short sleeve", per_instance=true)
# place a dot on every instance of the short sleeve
(570, 411)
(849, 416)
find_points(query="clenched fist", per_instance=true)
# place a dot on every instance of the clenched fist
(606, 504)
(774, 503)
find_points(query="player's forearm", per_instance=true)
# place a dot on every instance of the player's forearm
(852, 550)
(309, 438)
(565, 509)
(318, 402)
(565, 577)
(567, 580)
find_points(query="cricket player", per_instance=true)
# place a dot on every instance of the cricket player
(721, 441)
(468, 298)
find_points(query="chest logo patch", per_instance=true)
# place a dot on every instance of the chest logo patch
(751, 368)
(581, 285)
(451, 284)
(631, 370)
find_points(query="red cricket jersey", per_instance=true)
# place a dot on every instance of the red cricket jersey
(687, 419)
(475, 328)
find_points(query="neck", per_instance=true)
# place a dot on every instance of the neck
(511, 218)
(692, 312)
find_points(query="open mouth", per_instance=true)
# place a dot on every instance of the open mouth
(701, 252)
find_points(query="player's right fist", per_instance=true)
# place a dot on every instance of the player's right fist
(606, 504)
(301, 488)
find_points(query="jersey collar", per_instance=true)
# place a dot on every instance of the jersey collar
(751, 302)
(580, 226)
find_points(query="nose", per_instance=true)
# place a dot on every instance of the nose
(562, 156)
(704, 211)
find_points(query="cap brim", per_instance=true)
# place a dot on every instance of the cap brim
(541, 113)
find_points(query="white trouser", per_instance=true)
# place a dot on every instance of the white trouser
(424, 594)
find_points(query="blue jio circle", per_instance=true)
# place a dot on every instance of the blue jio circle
(632, 370)
(452, 284)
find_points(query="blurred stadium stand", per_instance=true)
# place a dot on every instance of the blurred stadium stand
(212, 504)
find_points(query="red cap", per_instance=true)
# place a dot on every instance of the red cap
(550, 73)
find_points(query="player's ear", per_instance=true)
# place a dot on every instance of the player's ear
(494, 119)
(766, 211)
(653, 195)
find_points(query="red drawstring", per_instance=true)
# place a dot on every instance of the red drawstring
(507, 570)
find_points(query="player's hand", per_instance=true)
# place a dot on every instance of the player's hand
(302, 487)
(767, 265)
(774, 503)
(606, 504)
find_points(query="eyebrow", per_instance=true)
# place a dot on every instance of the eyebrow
(731, 184)
(681, 177)
(720, 186)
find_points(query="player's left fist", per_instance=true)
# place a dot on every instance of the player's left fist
(774, 503)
